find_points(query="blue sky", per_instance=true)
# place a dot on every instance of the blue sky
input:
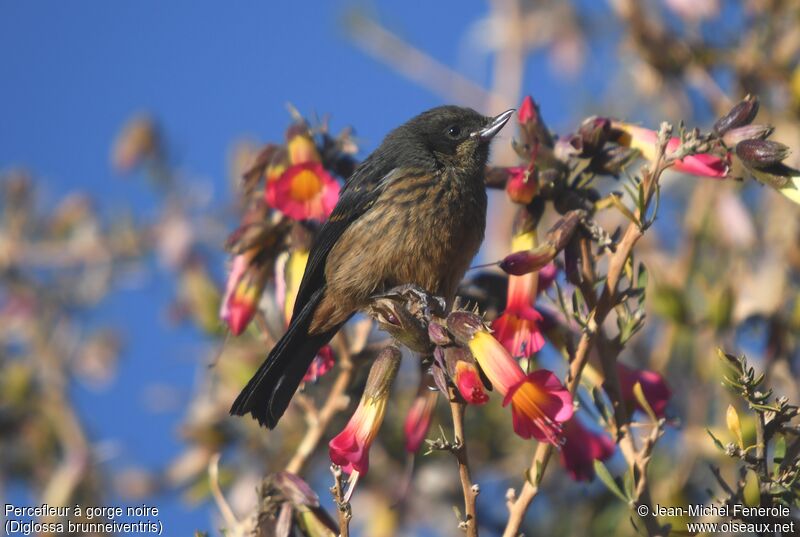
(211, 73)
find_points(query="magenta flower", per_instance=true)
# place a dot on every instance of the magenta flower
(581, 448)
(654, 388)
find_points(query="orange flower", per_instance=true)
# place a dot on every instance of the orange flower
(518, 327)
(350, 448)
(303, 192)
(539, 402)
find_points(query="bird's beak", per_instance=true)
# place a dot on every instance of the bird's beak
(494, 126)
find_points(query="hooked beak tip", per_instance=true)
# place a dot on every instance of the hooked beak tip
(495, 125)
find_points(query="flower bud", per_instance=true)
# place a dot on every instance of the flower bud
(527, 261)
(742, 114)
(438, 334)
(748, 132)
(593, 134)
(463, 325)
(761, 153)
(528, 111)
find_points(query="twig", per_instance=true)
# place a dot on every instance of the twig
(318, 423)
(342, 504)
(232, 523)
(471, 491)
(607, 301)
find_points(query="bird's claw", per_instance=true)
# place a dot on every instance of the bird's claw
(417, 300)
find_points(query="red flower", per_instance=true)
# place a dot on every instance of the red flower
(644, 140)
(242, 293)
(350, 448)
(581, 448)
(418, 420)
(518, 327)
(654, 388)
(469, 384)
(521, 185)
(539, 402)
(321, 364)
(303, 192)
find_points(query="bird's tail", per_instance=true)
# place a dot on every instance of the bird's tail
(268, 393)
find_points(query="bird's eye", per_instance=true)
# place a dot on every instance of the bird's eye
(454, 132)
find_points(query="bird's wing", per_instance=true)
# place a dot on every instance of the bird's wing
(358, 195)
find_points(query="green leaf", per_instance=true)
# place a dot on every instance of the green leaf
(642, 277)
(604, 475)
(716, 440)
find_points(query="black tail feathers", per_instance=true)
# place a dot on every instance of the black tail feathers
(268, 393)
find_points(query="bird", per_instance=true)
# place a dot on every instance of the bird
(412, 213)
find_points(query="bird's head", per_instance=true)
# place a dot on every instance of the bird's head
(454, 135)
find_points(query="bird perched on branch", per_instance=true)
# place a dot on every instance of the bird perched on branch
(413, 212)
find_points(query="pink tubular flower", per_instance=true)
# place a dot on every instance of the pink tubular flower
(518, 327)
(539, 402)
(654, 388)
(469, 384)
(350, 448)
(242, 293)
(303, 192)
(521, 185)
(418, 420)
(644, 140)
(581, 448)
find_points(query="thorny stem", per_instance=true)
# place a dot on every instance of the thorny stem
(342, 504)
(471, 491)
(518, 505)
